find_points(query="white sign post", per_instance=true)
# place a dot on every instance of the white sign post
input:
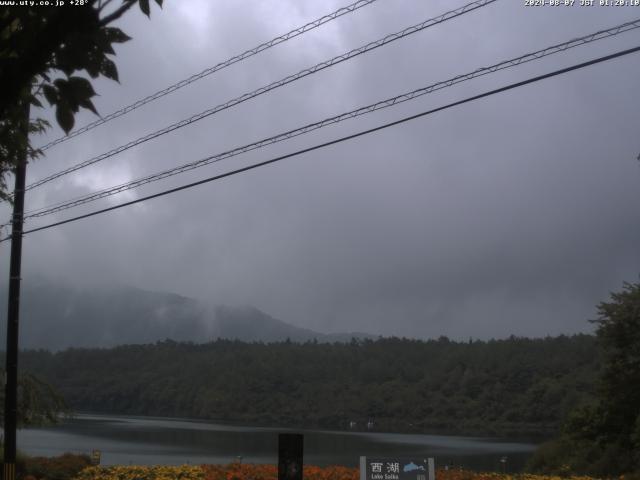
(397, 468)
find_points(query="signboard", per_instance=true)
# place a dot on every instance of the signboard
(395, 468)
(95, 457)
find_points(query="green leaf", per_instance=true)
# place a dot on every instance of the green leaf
(74, 54)
(65, 68)
(109, 70)
(74, 93)
(64, 115)
(115, 35)
(144, 6)
(39, 125)
(103, 42)
(88, 104)
(108, 49)
(81, 87)
(159, 2)
(36, 102)
(60, 83)
(51, 94)
(92, 65)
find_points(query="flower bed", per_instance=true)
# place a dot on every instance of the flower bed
(270, 472)
(469, 475)
(238, 471)
(184, 472)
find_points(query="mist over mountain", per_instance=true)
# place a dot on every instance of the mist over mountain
(56, 316)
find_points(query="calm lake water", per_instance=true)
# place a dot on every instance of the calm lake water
(148, 441)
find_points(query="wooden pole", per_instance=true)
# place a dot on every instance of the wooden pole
(13, 311)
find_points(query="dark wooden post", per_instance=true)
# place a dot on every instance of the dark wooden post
(290, 453)
(13, 314)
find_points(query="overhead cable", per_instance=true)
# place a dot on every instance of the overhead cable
(599, 35)
(272, 86)
(208, 71)
(336, 141)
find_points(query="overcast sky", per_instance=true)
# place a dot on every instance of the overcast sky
(515, 214)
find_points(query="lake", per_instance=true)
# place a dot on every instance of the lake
(148, 440)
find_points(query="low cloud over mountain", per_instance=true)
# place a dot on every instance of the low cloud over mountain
(56, 317)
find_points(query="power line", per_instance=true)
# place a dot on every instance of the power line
(208, 71)
(272, 86)
(338, 140)
(599, 35)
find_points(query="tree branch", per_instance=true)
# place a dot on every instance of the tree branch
(101, 5)
(118, 13)
(18, 72)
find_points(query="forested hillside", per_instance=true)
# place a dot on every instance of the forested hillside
(511, 386)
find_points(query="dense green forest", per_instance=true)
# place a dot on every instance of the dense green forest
(602, 438)
(513, 386)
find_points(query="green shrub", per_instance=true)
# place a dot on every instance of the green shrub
(64, 467)
(551, 458)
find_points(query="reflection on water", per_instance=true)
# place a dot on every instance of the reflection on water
(147, 441)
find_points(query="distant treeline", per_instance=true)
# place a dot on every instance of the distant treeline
(500, 387)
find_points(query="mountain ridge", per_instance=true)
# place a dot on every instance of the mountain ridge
(55, 317)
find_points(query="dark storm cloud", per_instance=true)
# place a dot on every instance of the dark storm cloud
(514, 214)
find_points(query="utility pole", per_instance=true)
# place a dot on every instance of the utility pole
(13, 314)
